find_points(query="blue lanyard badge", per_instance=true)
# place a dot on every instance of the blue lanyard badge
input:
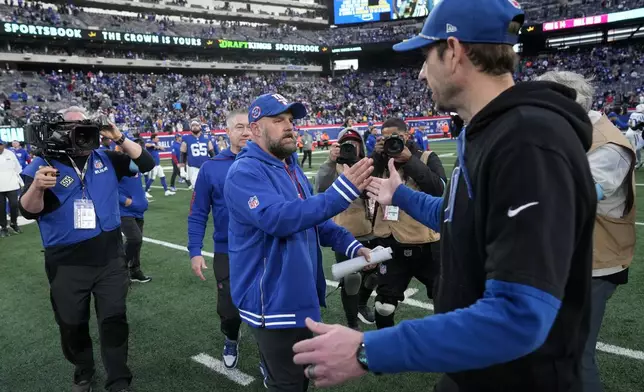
(456, 175)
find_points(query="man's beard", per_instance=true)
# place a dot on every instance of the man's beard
(446, 99)
(196, 132)
(276, 148)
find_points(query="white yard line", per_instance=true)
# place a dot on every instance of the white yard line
(607, 348)
(235, 375)
(179, 189)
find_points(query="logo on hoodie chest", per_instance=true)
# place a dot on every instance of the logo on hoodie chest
(99, 167)
(253, 202)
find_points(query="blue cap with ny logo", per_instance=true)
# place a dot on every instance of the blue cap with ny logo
(469, 21)
(270, 105)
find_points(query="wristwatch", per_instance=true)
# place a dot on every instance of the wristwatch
(362, 357)
(120, 140)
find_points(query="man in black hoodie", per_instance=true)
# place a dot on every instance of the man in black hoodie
(516, 225)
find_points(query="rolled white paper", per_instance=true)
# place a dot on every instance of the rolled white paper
(378, 255)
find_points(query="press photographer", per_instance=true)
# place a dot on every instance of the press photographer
(71, 189)
(355, 288)
(415, 246)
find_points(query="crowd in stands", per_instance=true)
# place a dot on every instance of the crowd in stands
(160, 101)
(537, 11)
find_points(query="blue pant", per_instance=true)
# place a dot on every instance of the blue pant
(602, 290)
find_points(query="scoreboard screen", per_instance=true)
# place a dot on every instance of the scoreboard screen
(363, 11)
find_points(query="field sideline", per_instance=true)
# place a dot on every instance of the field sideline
(175, 343)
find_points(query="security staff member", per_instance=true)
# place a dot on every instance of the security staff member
(176, 155)
(415, 246)
(209, 195)
(132, 206)
(516, 225)
(85, 256)
(357, 287)
(612, 163)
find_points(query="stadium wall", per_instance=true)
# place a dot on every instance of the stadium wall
(428, 125)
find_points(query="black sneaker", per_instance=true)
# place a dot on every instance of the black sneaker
(366, 315)
(138, 276)
(4, 233)
(16, 229)
(82, 386)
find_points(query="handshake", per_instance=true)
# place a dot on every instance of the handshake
(378, 189)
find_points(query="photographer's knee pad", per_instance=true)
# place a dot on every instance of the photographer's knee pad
(351, 283)
(371, 280)
(385, 307)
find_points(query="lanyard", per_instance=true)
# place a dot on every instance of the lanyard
(460, 147)
(295, 182)
(81, 175)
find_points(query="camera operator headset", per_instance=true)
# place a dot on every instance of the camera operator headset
(72, 192)
(356, 219)
(415, 246)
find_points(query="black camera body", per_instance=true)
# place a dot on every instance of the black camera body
(394, 145)
(348, 154)
(53, 136)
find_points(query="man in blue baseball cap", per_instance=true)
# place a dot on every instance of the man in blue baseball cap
(276, 227)
(516, 225)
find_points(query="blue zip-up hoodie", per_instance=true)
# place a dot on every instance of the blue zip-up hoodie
(131, 188)
(209, 194)
(275, 232)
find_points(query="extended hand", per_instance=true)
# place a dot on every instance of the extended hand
(360, 173)
(111, 132)
(46, 177)
(334, 152)
(367, 255)
(382, 190)
(404, 156)
(332, 354)
(198, 263)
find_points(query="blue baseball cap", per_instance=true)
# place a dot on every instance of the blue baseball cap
(270, 105)
(469, 21)
(2, 142)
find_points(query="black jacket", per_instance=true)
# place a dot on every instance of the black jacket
(528, 219)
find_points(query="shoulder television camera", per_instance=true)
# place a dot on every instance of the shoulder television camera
(52, 135)
(394, 145)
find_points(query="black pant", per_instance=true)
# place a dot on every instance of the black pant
(307, 154)
(13, 208)
(228, 313)
(351, 301)
(175, 172)
(132, 228)
(71, 287)
(408, 261)
(276, 352)
(446, 384)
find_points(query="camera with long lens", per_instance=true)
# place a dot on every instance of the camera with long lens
(348, 154)
(52, 135)
(394, 145)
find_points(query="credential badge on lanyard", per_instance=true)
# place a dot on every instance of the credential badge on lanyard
(456, 175)
(84, 213)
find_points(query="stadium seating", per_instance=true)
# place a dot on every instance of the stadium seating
(140, 100)
(537, 12)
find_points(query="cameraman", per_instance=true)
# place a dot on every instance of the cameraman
(356, 288)
(74, 197)
(415, 246)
